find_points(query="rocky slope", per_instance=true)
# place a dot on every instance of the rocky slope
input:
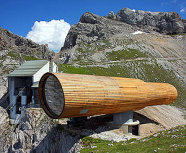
(36, 133)
(92, 27)
(12, 42)
(163, 22)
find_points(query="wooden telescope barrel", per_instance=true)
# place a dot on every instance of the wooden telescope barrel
(65, 95)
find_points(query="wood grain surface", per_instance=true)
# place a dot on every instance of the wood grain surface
(87, 95)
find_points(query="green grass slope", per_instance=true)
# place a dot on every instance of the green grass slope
(172, 141)
(10, 61)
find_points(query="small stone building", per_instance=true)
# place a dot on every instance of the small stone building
(23, 83)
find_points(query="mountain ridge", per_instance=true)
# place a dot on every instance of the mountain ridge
(92, 27)
(19, 44)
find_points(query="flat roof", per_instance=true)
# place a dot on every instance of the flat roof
(29, 68)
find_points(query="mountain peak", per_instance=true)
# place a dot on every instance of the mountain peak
(92, 27)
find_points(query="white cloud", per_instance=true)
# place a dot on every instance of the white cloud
(182, 10)
(52, 33)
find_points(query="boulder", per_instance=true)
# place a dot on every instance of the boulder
(112, 15)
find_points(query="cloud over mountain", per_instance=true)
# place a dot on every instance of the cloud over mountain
(52, 33)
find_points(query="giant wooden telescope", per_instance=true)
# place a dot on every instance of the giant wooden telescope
(65, 95)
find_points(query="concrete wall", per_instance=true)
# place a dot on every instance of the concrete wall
(40, 73)
(54, 67)
(44, 70)
(12, 98)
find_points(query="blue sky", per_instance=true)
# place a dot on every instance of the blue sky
(19, 16)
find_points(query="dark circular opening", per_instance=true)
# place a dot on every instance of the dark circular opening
(53, 96)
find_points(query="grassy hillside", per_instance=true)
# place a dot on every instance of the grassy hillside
(166, 141)
(15, 56)
(10, 61)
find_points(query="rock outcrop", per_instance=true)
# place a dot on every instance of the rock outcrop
(12, 42)
(35, 133)
(91, 27)
(163, 22)
(112, 15)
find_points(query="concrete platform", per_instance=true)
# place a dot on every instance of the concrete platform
(125, 122)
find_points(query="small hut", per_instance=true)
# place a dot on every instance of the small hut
(23, 83)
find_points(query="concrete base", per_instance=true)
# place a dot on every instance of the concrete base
(123, 117)
(128, 128)
(125, 122)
